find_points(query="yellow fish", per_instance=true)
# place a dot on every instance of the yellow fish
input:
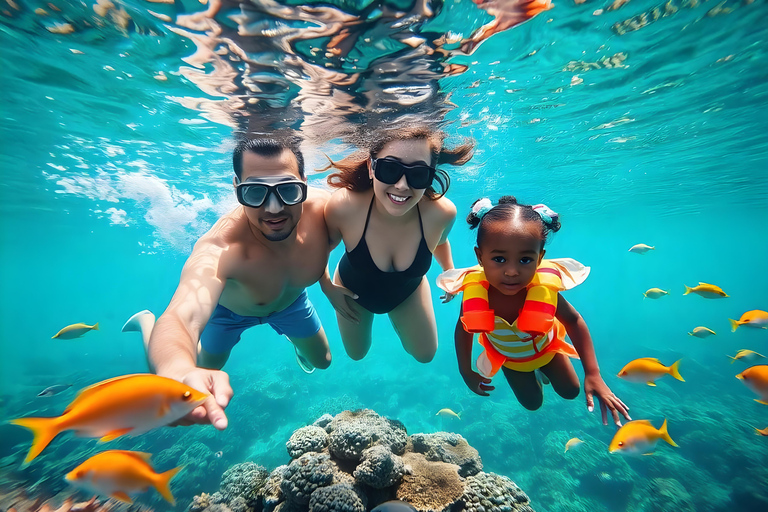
(115, 473)
(73, 331)
(708, 291)
(447, 413)
(573, 443)
(761, 431)
(756, 379)
(748, 356)
(641, 248)
(131, 404)
(702, 332)
(655, 293)
(648, 369)
(755, 318)
(639, 437)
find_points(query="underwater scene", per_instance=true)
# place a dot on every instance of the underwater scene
(636, 128)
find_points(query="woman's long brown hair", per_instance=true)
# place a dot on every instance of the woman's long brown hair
(353, 170)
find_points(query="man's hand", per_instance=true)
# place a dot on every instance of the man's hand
(477, 383)
(215, 382)
(595, 386)
(340, 298)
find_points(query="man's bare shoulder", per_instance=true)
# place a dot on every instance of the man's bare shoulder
(226, 231)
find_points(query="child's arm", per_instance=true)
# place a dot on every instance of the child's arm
(474, 381)
(593, 382)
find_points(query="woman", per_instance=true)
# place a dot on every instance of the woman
(392, 215)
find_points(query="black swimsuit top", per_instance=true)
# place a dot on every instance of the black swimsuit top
(379, 291)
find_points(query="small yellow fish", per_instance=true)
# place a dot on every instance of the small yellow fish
(115, 473)
(702, 332)
(761, 431)
(655, 293)
(708, 291)
(755, 318)
(648, 370)
(639, 437)
(756, 379)
(447, 413)
(748, 356)
(131, 404)
(641, 248)
(73, 331)
(573, 443)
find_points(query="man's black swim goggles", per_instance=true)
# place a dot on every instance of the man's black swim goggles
(389, 170)
(254, 192)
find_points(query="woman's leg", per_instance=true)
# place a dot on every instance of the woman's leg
(414, 322)
(315, 349)
(526, 387)
(562, 375)
(355, 336)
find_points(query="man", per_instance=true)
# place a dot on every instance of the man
(251, 268)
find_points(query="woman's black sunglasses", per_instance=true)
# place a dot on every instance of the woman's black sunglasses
(255, 194)
(389, 170)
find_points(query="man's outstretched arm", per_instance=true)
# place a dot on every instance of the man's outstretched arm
(172, 349)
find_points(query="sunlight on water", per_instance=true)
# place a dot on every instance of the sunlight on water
(639, 121)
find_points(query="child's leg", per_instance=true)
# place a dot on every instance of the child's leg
(563, 376)
(526, 388)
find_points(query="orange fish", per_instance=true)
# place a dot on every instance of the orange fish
(756, 379)
(648, 370)
(131, 404)
(761, 431)
(115, 473)
(639, 437)
(754, 318)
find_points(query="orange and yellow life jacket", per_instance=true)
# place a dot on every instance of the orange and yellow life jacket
(534, 338)
(537, 314)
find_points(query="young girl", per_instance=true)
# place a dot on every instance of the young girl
(512, 300)
(391, 213)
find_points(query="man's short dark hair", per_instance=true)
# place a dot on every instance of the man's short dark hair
(266, 148)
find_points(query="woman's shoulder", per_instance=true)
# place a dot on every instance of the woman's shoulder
(345, 200)
(441, 209)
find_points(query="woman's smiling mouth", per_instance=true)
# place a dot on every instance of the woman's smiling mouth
(398, 199)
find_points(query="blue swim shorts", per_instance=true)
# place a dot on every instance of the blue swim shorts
(223, 331)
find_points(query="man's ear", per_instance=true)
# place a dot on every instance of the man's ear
(478, 254)
(234, 181)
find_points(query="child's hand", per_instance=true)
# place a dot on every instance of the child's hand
(477, 383)
(447, 297)
(595, 386)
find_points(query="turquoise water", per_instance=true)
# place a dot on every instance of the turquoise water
(109, 175)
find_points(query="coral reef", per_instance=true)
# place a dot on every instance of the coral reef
(357, 460)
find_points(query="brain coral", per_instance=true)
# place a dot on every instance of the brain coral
(307, 439)
(488, 492)
(305, 474)
(448, 447)
(353, 432)
(272, 492)
(380, 468)
(245, 480)
(337, 498)
(432, 485)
